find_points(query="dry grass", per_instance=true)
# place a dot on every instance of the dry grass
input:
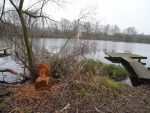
(79, 94)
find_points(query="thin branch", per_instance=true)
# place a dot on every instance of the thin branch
(43, 4)
(14, 110)
(57, 2)
(97, 109)
(66, 107)
(34, 4)
(13, 4)
(38, 16)
(21, 60)
(3, 8)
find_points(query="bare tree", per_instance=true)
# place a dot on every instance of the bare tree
(115, 30)
(24, 17)
(130, 31)
(106, 29)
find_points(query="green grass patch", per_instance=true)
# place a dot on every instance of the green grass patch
(91, 66)
(115, 72)
(111, 84)
(96, 67)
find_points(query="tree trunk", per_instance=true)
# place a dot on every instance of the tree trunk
(27, 43)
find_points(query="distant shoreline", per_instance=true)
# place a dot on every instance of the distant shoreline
(129, 41)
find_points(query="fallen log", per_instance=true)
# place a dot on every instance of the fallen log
(14, 72)
(14, 83)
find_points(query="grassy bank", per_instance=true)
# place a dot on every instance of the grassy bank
(90, 86)
(97, 68)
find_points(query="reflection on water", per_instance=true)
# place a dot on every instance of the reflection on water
(127, 81)
(136, 48)
(8, 62)
(54, 45)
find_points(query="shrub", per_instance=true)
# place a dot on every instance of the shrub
(91, 66)
(115, 72)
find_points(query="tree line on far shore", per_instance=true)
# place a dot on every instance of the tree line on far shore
(89, 30)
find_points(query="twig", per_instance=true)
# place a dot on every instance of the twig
(97, 109)
(65, 107)
(14, 110)
(55, 66)
(77, 111)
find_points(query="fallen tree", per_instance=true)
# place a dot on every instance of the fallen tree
(14, 72)
(19, 74)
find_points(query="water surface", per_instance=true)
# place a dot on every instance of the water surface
(123, 47)
(54, 45)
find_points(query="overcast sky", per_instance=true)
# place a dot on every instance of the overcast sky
(124, 13)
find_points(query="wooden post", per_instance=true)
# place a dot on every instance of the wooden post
(139, 59)
(5, 52)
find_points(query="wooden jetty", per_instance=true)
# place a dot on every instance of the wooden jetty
(139, 74)
(3, 51)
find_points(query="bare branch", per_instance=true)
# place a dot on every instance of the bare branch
(14, 72)
(13, 4)
(58, 2)
(38, 16)
(24, 63)
(34, 4)
(66, 107)
(3, 8)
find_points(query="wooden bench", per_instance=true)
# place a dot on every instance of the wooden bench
(4, 50)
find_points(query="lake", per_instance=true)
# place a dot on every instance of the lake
(124, 47)
(54, 45)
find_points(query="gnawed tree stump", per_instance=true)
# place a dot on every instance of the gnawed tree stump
(43, 78)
